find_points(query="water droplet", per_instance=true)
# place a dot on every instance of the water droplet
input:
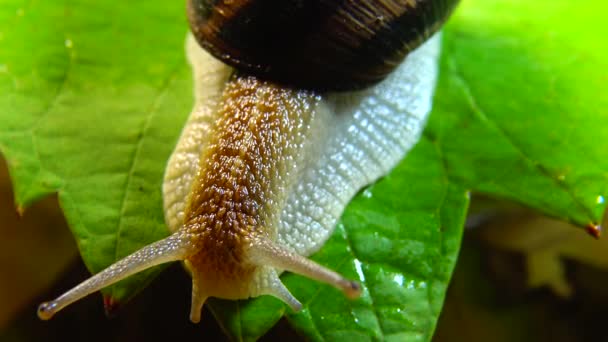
(68, 43)
(599, 199)
(398, 278)
(359, 269)
(367, 193)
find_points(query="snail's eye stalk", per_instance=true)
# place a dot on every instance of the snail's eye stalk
(265, 252)
(172, 248)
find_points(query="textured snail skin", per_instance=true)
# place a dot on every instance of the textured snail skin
(362, 137)
(262, 173)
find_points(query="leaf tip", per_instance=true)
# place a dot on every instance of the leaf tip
(111, 305)
(20, 210)
(594, 230)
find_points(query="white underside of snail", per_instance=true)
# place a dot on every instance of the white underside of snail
(317, 152)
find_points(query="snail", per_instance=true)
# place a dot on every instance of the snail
(298, 105)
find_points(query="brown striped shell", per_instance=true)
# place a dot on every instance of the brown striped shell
(316, 44)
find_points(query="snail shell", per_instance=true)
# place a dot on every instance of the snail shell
(316, 44)
(263, 170)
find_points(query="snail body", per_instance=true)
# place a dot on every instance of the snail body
(265, 165)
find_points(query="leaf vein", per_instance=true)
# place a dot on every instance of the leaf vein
(373, 302)
(136, 153)
(440, 204)
(481, 114)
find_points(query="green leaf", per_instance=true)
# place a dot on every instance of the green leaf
(519, 111)
(402, 245)
(90, 108)
(93, 94)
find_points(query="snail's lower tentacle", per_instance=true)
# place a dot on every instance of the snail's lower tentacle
(198, 296)
(277, 289)
(173, 248)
